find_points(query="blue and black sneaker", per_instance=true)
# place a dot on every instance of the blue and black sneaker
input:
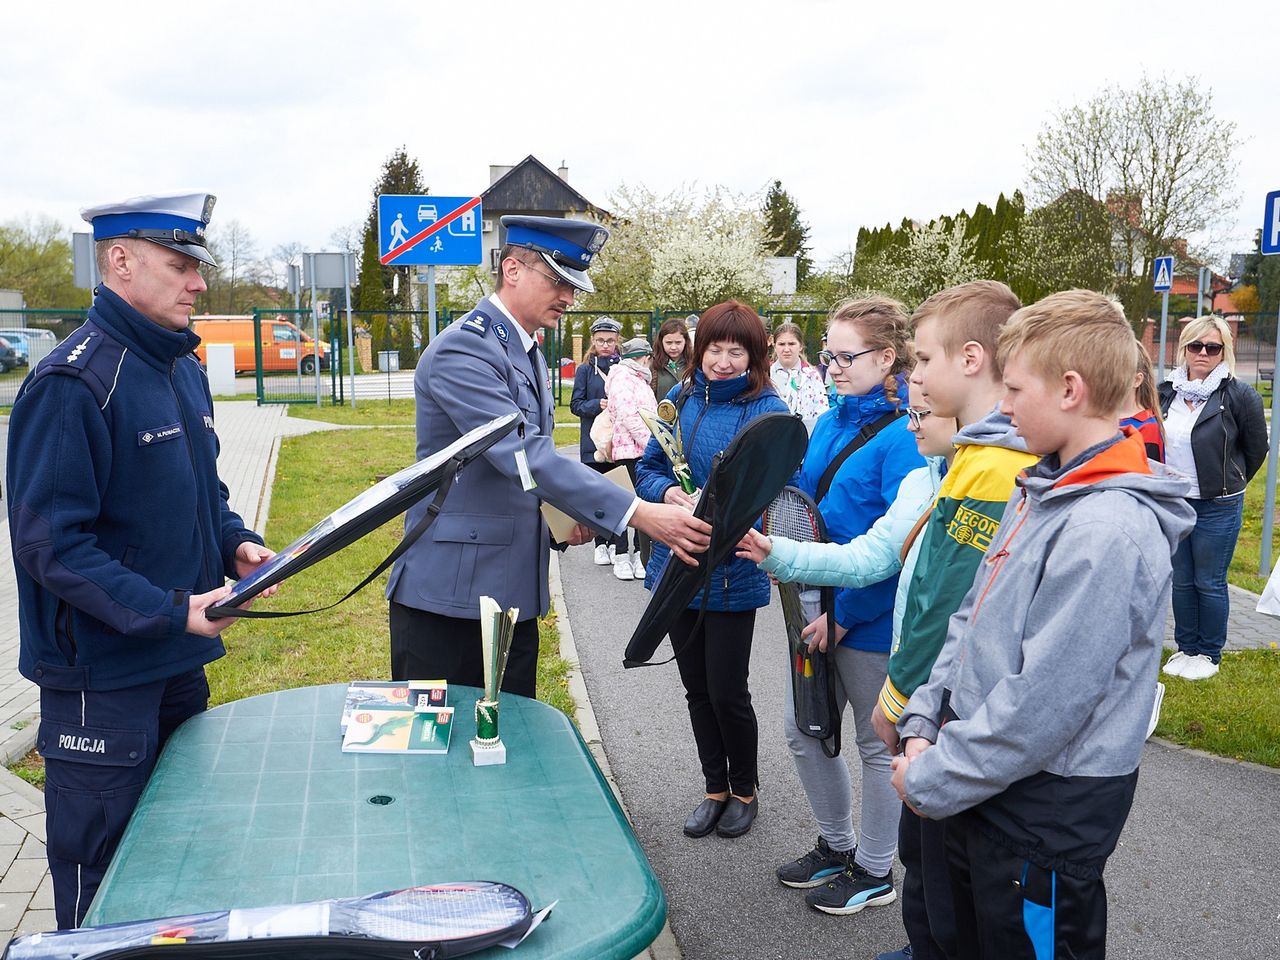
(816, 867)
(851, 891)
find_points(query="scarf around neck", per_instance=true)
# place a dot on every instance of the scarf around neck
(1198, 390)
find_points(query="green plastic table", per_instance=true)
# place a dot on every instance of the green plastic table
(254, 803)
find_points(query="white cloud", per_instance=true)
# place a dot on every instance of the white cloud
(866, 115)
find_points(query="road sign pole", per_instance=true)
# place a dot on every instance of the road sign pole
(351, 352)
(1164, 326)
(1269, 507)
(315, 327)
(431, 300)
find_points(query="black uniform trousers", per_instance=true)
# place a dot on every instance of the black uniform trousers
(99, 748)
(431, 646)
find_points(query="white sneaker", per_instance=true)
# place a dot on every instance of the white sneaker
(637, 567)
(613, 553)
(1173, 666)
(1199, 667)
(622, 569)
(602, 555)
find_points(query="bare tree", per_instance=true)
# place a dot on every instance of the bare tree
(1159, 160)
(240, 270)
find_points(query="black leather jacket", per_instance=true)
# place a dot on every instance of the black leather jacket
(1229, 440)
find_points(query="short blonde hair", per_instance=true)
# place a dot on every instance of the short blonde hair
(1197, 328)
(1076, 330)
(971, 311)
(102, 250)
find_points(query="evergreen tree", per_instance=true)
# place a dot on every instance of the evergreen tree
(400, 174)
(789, 235)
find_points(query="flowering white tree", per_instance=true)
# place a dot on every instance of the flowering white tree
(681, 250)
(936, 256)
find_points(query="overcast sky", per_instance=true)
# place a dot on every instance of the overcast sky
(865, 112)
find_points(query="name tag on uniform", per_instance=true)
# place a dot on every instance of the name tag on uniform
(526, 476)
(159, 434)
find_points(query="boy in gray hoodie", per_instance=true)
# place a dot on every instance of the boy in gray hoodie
(1028, 734)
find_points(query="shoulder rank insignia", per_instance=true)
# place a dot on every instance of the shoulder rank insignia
(477, 323)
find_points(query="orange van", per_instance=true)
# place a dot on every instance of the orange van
(284, 345)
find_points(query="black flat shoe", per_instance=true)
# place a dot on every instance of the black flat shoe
(737, 817)
(704, 818)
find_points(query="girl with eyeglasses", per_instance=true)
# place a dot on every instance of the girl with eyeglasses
(868, 356)
(1215, 434)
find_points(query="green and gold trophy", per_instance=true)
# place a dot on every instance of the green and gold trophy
(665, 428)
(496, 632)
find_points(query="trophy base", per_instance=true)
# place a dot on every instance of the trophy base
(484, 755)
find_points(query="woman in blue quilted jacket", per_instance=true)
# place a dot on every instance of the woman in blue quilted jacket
(729, 387)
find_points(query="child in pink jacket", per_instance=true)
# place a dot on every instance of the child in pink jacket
(629, 392)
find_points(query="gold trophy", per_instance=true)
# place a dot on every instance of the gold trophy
(665, 428)
(496, 632)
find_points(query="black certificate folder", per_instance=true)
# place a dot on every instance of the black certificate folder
(384, 501)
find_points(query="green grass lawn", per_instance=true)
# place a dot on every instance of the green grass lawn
(1233, 714)
(1243, 571)
(350, 641)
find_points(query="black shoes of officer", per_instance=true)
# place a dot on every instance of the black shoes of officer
(737, 817)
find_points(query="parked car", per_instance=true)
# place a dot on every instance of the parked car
(21, 348)
(39, 342)
(8, 358)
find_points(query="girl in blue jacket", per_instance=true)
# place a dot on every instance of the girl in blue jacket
(729, 387)
(867, 355)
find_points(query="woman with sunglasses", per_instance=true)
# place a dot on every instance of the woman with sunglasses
(1215, 434)
(865, 437)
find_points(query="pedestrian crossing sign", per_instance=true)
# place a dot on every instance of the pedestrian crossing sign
(1164, 274)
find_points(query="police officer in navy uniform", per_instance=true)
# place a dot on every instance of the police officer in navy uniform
(122, 534)
(490, 539)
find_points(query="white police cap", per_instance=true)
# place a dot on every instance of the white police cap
(176, 221)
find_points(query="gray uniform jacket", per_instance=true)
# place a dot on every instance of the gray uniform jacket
(490, 539)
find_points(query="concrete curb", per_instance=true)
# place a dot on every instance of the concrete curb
(665, 946)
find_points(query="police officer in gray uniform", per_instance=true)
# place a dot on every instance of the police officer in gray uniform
(490, 539)
(122, 534)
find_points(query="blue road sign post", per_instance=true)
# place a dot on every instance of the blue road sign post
(1271, 245)
(428, 231)
(1162, 281)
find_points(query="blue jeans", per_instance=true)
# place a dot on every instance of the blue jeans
(1200, 602)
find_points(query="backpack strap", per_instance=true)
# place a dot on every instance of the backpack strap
(862, 438)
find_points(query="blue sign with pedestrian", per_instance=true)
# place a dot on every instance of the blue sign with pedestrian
(1271, 224)
(1164, 274)
(422, 230)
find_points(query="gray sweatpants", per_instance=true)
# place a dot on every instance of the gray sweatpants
(859, 676)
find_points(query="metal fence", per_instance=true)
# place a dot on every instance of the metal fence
(40, 331)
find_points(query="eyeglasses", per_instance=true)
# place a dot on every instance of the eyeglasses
(843, 360)
(915, 417)
(1212, 349)
(560, 283)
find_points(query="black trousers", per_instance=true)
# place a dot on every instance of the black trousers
(928, 910)
(620, 541)
(99, 748)
(1008, 907)
(714, 662)
(430, 646)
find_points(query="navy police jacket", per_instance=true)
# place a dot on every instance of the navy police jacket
(116, 512)
(490, 539)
